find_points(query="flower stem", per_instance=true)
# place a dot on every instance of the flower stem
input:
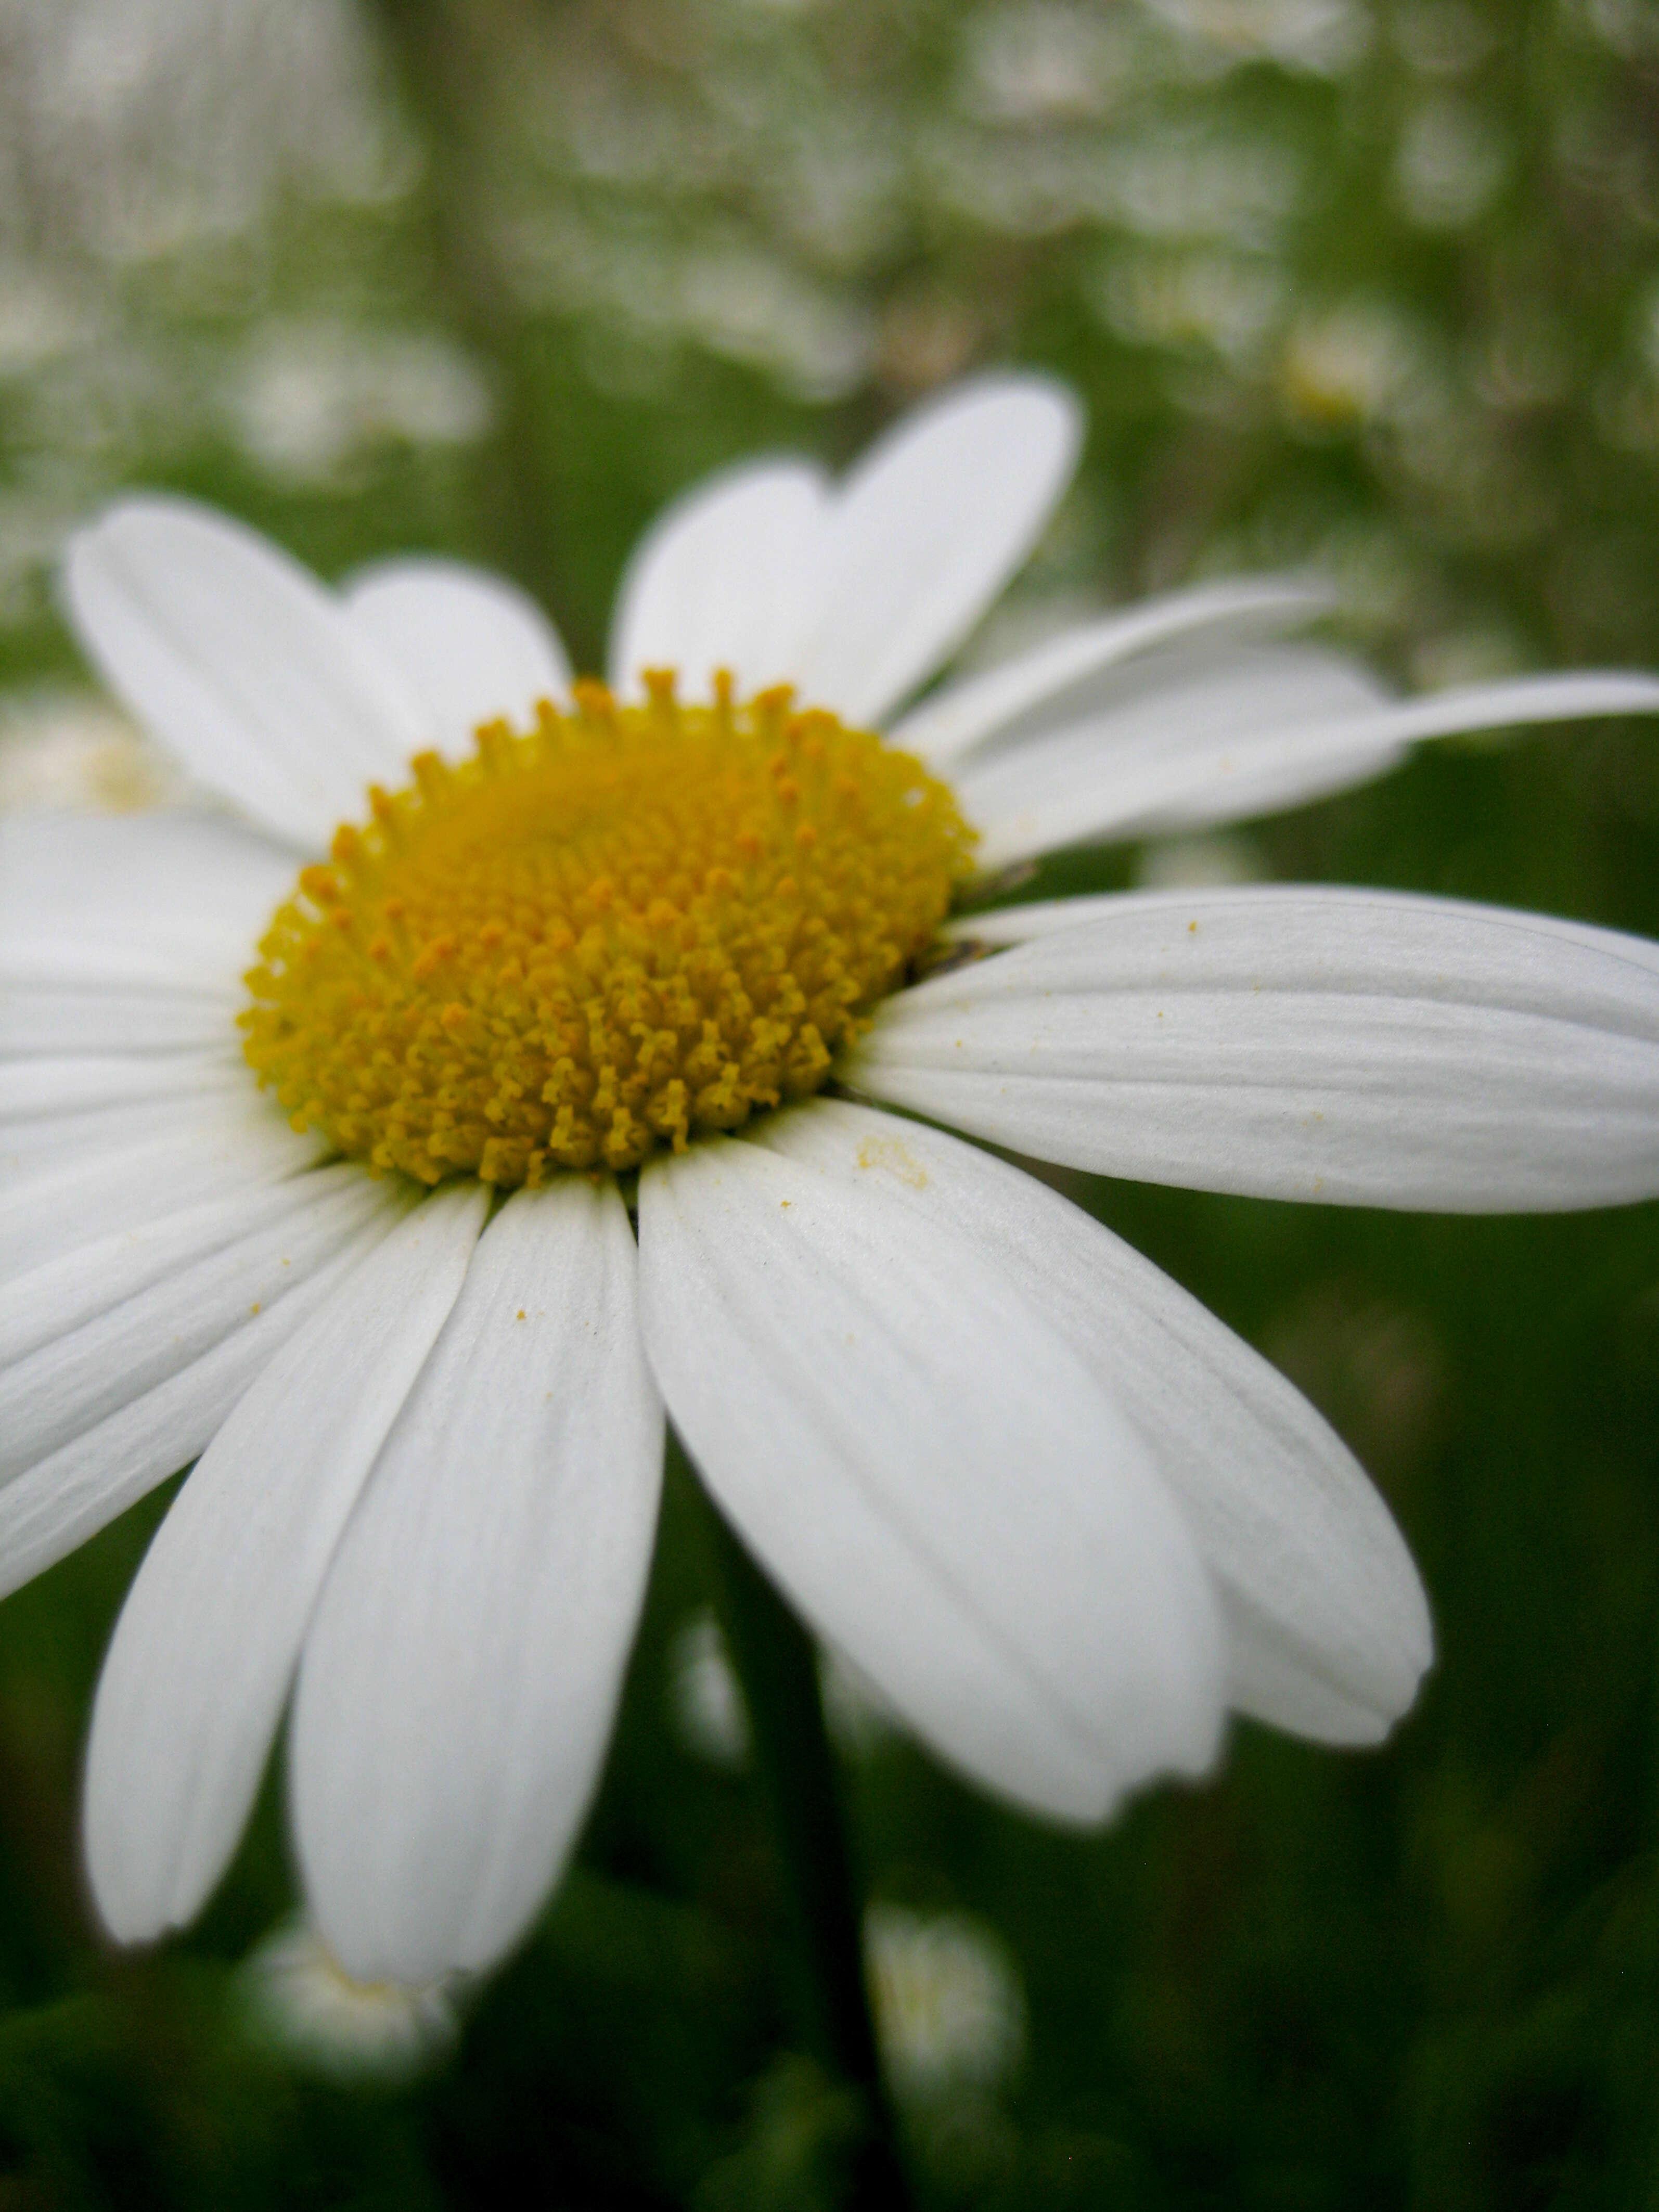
(777, 1664)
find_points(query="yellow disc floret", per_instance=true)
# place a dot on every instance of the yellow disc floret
(629, 926)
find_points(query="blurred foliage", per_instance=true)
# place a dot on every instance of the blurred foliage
(1371, 286)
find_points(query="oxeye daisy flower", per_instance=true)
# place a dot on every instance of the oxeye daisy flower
(330, 1113)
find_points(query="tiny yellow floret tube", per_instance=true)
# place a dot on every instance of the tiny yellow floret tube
(626, 928)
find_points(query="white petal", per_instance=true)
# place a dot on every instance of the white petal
(471, 646)
(932, 1476)
(1220, 745)
(461, 1675)
(210, 1155)
(87, 1333)
(1161, 727)
(53, 1089)
(40, 1020)
(241, 664)
(205, 1647)
(728, 577)
(1364, 1047)
(37, 1145)
(927, 529)
(65, 964)
(175, 898)
(54, 1298)
(1329, 1629)
(57, 1504)
(961, 716)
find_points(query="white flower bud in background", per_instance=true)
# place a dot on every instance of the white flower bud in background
(298, 2000)
(1216, 856)
(705, 1699)
(711, 1719)
(949, 2009)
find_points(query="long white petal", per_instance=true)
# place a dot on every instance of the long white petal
(54, 1298)
(210, 1157)
(38, 1020)
(1164, 722)
(1019, 924)
(960, 717)
(471, 646)
(35, 1145)
(729, 576)
(461, 1675)
(1373, 1049)
(241, 664)
(61, 1500)
(174, 897)
(1328, 1631)
(65, 964)
(206, 1644)
(927, 529)
(931, 1474)
(50, 1088)
(1223, 745)
(90, 1332)
(38, 1155)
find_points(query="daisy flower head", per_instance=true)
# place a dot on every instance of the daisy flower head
(492, 1061)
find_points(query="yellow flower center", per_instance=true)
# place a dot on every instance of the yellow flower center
(620, 930)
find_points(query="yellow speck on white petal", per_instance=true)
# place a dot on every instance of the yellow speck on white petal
(890, 1153)
(254, 1308)
(520, 1316)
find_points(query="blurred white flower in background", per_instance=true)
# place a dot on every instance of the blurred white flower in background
(42, 316)
(1449, 166)
(63, 747)
(711, 1716)
(129, 127)
(1228, 303)
(1365, 362)
(298, 1999)
(1325, 36)
(1199, 863)
(705, 1696)
(751, 307)
(1046, 63)
(949, 2005)
(310, 400)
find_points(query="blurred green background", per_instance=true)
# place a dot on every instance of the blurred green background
(1371, 286)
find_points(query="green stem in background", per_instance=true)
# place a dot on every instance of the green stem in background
(437, 51)
(776, 1662)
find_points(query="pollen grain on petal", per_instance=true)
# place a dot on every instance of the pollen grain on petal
(615, 931)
